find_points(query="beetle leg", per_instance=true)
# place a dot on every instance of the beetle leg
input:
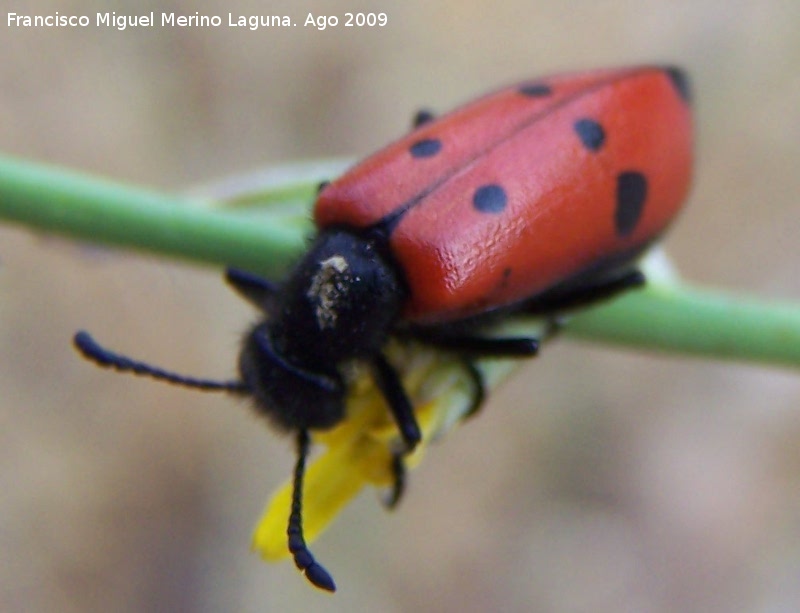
(255, 289)
(585, 294)
(399, 484)
(422, 117)
(388, 381)
(480, 346)
(303, 558)
(479, 388)
(399, 473)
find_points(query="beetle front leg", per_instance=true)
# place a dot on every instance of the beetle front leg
(390, 385)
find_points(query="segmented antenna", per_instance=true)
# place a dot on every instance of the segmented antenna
(101, 356)
(313, 570)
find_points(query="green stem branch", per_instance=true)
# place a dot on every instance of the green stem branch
(698, 321)
(101, 211)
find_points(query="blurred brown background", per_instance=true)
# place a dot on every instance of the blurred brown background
(596, 480)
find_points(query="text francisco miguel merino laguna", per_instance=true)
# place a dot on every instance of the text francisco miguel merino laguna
(146, 20)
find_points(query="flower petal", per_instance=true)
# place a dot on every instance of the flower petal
(360, 449)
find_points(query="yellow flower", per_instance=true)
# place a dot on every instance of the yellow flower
(359, 450)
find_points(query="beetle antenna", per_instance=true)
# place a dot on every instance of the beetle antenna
(313, 570)
(101, 356)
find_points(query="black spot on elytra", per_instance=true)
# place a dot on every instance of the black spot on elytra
(631, 197)
(591, 134)
(422, 117)
(535, 90)
(425, 148)
(504, 279)
(489, 198)
(680, 81)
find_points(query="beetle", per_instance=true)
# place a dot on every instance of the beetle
(535, 199)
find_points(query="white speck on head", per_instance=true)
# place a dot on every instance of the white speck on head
(327, 288)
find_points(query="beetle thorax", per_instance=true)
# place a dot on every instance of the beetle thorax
(340, 302)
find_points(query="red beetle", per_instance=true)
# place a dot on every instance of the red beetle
(537, 198)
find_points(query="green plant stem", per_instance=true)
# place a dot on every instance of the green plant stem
(101, 211)
(667, 317)
(698, 321)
